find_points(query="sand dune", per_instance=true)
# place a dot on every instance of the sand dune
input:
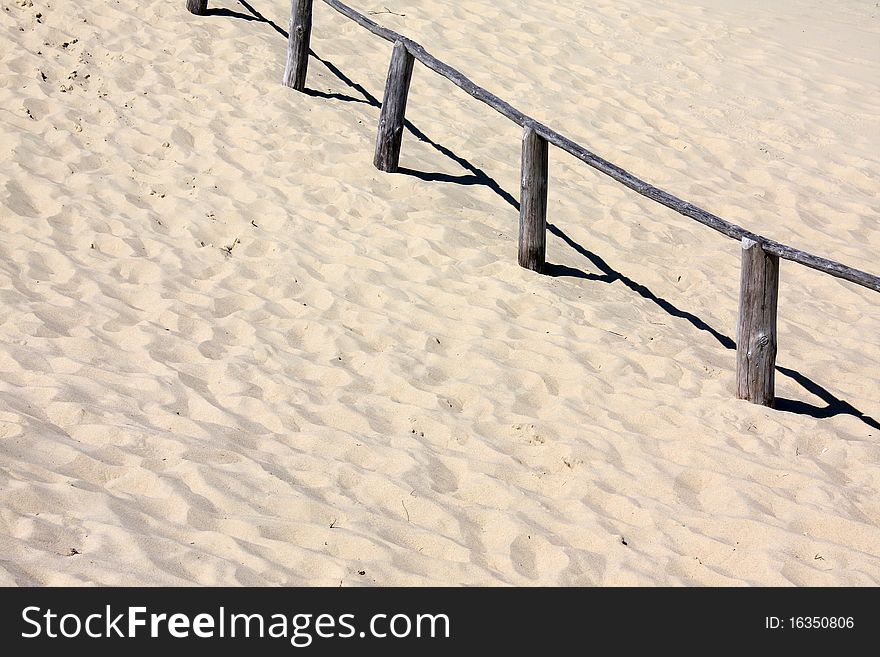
(232, 352)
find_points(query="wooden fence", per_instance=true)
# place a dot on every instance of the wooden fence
(759, 281)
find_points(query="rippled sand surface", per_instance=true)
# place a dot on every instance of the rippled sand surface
(232, 352)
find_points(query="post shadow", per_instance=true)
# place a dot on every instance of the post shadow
(229, 13)
(610, 275)
(834, 405)
(257, 16)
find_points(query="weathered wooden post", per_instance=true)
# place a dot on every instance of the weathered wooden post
(299, 35)
(197, 7)
(756, 330)
(393, 113)
(533, 201)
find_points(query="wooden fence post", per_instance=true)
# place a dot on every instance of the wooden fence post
(299, 35)
(393, 113)
(197, 7)
(533, 201)
(756, 330)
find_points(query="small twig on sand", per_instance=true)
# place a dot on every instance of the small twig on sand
(387, 11)
(405, 509)
(229, 248)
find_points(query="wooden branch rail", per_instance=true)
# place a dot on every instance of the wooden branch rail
(756, 328)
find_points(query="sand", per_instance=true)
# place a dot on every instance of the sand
(232, 352)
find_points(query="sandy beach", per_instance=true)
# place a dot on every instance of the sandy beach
(232, 352)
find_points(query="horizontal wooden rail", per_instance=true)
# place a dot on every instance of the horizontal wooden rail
(604, 166)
